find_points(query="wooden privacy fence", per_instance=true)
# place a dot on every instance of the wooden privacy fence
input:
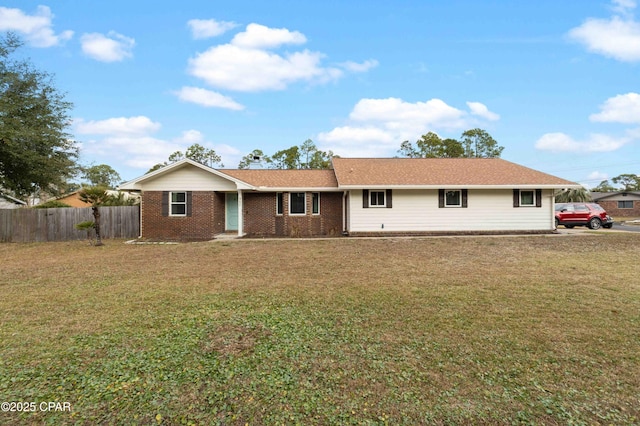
(35, 225)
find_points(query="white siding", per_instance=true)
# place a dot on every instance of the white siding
(417, 210)
(189, 178)
(4, 204)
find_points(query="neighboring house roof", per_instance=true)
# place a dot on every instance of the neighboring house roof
(441, 173)
(73, 199)
(597, 196)
(12, 200)
(270, 178)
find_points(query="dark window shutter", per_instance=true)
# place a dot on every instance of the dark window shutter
(516, 198)
(464, 198)
(389, 199)
(538, 197)
(441, 198)
(365, 198)
(165, 203)
(189, 202)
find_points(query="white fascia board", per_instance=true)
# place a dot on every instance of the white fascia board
(514, 186)
(135, 184)
(296, 189)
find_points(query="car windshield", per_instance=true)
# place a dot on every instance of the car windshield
(597, 207)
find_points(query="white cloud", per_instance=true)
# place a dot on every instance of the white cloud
(139, 125)
(561, 142)
(363, 67)
(36, 29)
(597, 176)
(249, 63)
(190, 137)
(258, 36)
(113, 47)
(617, 37)
(207, 98)
(619, 109)
(206, 28)
(129, 141)
(376, 127)
(249, 70)
(634, 133)
(623, 6)
(396, 113)
(482, 111)
(352, 141)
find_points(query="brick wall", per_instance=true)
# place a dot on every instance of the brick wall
(259, 211)
(611, 206)
(219, 213)
(203, 223)
(260, 219)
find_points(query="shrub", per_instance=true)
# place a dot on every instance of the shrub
(51, 204)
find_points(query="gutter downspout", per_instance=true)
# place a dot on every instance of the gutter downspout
(140, 213)
(345, 220)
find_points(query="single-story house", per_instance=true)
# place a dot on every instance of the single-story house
(9, 202)
(619, 203)
(359, 196)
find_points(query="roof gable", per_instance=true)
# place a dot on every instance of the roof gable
(138, 183)
(441, 172)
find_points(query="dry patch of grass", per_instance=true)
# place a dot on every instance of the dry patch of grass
(436, 330)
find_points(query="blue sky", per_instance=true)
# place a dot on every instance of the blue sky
(554, 82)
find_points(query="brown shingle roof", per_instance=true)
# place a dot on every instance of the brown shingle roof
(285, 178)
(439, 171)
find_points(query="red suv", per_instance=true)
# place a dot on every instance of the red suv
(582, 214)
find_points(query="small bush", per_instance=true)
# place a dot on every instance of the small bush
(51, 204)
(86, 225)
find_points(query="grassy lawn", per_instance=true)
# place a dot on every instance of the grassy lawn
(542, 329)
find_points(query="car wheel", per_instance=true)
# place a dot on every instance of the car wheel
(557, 223)
(569, 226)
(595, 223)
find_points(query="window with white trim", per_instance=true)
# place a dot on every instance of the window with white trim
(453, 198)
(527, 198)
(297, 203)
(315, 203)
(178, 204)
(377, 199)
(625, 204)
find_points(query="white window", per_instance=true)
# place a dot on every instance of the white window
(377, 199)
(453, 198)
(178, 204)
(297, 203)
(527, 198)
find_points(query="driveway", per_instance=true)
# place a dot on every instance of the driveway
(628, 228)
(616, 227)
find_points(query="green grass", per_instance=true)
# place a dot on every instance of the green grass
(529, 330)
